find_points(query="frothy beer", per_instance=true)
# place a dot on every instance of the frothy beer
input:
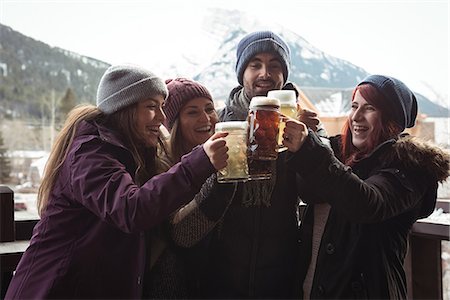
(288, 107)
(263, 124)
(236, 169)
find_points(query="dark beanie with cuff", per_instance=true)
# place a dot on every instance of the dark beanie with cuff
(404, 103)
(124, 85)
(262, 42)
(181, 90)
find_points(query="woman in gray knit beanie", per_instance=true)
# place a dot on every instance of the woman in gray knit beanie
(99, 194)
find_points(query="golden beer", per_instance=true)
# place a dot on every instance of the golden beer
(288, 107)
(236, 169)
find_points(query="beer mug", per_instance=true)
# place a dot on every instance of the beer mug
(259, 169)
(263, 121)
(236, 169)
(288, 107)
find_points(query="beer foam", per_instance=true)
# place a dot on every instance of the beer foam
(230, 125)
(285, 96)
(264, 101)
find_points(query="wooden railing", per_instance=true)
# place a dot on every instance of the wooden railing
(14, 238)
(423, 263)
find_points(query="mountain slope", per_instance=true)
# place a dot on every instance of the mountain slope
(32, 71)
(326, 80)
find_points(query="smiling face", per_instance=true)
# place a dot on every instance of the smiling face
(149, 117)
(197, 120)
(363, 118)
(263, 73)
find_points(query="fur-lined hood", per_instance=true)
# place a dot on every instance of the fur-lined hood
(417, 153)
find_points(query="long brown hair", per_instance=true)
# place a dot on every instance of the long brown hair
(61, 148)
(123, 122)
(385, 129)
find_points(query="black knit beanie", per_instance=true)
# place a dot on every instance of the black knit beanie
(404, 109)
(181, 90)
(123, 85)
(260, 42)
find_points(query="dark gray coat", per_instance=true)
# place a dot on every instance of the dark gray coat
(373, 206)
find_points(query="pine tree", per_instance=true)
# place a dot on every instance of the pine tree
(5, 163)
(66, 103)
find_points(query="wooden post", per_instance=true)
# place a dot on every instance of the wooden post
(426, 267)
(7, 231)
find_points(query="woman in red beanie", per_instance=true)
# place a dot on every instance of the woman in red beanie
(191, 118)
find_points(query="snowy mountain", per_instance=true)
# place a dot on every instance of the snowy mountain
(326, 80)
(31, 70)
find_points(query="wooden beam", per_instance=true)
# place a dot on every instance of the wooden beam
(426, 268)
(7, 233)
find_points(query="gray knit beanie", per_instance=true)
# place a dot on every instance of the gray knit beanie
(261, 42)
(402, 99)
(123, 85)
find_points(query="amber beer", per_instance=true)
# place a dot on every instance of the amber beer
(288, 107)
(263, 122)
(236, 169)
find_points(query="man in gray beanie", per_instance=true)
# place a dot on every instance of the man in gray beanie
(262, 42)
(256, 239)
(263, 61)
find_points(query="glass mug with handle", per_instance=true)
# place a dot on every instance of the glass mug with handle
(237, 168)
(288, 107)
(263, 127)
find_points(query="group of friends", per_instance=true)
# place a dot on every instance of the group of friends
(128, 212)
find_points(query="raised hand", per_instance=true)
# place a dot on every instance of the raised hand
(216, 149)
(294, 134)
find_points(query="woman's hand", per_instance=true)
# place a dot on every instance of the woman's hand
(294, 134)
(216, 149)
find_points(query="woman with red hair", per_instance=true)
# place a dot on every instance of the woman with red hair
(365, 194)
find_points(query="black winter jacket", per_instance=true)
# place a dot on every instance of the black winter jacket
(251, 247)
(373, 207)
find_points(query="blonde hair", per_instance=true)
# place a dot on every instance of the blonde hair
(177, 143)
(123, 122)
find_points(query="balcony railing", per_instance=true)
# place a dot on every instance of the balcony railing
(423, 263)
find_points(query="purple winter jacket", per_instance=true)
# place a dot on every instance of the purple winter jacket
(90, 240)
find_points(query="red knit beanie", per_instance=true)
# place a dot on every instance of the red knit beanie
(181, 90)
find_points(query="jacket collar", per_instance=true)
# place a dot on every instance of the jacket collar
(413, 153)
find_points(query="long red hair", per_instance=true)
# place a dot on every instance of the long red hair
(384, 130)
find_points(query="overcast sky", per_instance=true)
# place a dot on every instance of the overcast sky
(405, 39)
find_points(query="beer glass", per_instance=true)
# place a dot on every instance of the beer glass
(263, 122)
(236, 169)
(288, 107)
(259, 169)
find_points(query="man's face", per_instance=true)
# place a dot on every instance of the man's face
(263, 73)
